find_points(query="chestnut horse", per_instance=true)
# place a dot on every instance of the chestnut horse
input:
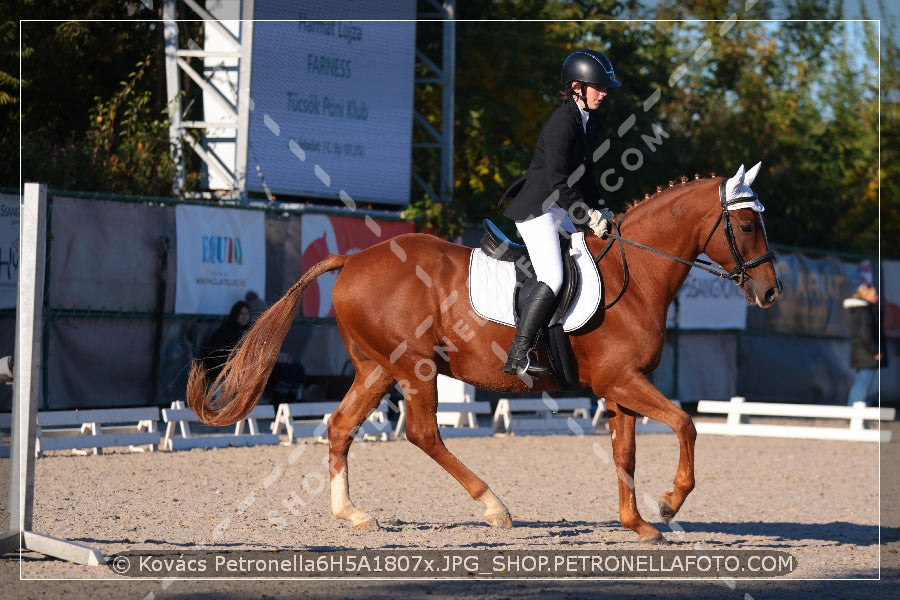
(403, 312)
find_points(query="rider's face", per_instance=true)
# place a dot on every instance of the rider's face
(593, 97)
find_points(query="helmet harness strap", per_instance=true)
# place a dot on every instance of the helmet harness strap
(584, 94)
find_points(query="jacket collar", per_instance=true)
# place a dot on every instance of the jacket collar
(856, 303)
(575, 115)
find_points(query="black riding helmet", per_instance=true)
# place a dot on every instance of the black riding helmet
(589, 66)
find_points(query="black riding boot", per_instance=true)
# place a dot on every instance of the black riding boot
(533, 316)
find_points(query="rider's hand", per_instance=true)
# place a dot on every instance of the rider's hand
(599, 221)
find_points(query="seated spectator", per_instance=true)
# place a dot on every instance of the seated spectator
(286, 380)
(219, 345)
(257, 305)
(287, 376)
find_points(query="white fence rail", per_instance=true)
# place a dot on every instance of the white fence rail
(739, 412)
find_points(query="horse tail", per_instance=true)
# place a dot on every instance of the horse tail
(241, 382)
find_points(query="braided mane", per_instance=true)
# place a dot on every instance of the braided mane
(662, 191)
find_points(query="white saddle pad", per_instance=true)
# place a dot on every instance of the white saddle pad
(492, 283)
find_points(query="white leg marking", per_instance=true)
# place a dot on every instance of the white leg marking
(342, 507)
(496, 513)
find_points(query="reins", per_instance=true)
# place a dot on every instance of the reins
(625, 273)
(738, 274)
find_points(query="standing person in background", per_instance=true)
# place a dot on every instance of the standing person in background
(866, 356)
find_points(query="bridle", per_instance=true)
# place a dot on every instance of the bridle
(738, 274)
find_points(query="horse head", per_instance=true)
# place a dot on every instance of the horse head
(738, 239)
(721, 218)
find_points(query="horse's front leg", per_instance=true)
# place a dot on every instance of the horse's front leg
(621, 431)
(645, 399)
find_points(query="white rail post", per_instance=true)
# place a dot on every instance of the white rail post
(734, 414)
(26, 386)
(856, 422)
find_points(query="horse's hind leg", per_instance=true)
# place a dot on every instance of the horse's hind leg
(369, 386)
(422, 430)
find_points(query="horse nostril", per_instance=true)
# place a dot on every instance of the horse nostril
(772, 294)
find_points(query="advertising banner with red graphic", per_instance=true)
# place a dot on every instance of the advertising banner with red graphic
(323, 235)
(221, 256)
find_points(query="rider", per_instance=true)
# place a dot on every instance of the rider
(559, 184)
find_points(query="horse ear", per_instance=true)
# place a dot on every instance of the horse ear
(751, 174)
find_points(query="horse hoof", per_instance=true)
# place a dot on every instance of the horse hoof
(367, 525)
(655, 538)
(499, 520)
(665, 512)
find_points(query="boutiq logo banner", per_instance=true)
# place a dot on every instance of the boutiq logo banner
(484, 564)
(221, 249)
(221, 256)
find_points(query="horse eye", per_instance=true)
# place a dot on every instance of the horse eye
(747, 228)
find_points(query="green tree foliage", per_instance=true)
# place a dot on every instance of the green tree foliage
(70, 66)
(801, 96)
(9, 81)
(888, 176)
(706, 88)
(723, 86)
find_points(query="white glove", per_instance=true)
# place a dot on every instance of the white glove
(599, 221)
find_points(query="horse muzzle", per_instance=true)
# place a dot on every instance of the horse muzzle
(762, 295)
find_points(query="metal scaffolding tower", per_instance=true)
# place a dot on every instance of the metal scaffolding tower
(225, 82)
(220, 139)
(442, 76)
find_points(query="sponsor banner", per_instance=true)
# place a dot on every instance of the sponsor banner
(9, 250)
(811, 302)
(322, 235)
(708, 302)
(221, 256)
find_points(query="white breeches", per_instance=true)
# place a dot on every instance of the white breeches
(541, 236)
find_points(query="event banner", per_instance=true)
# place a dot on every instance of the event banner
(332, 98)
(221, 256)
(9, 250)
(322, 235)
(708, 302)
(811, 302)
